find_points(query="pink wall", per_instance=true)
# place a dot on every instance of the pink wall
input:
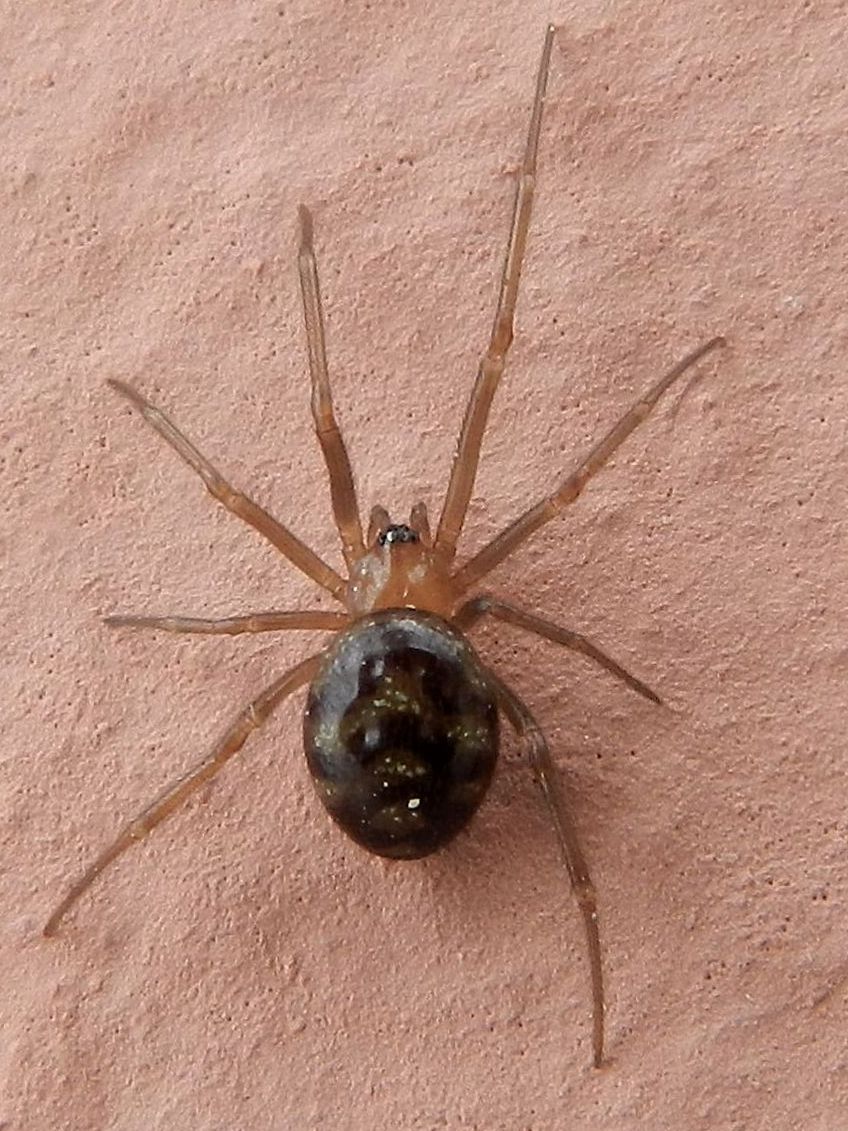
(247, 967)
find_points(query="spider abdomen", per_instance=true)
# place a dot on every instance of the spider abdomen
(401, 732)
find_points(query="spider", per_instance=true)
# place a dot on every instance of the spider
(401, 727)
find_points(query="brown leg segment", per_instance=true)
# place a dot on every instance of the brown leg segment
(252, 717)
(378, 522)
(420, 523)
(528, 729)
(464, 469)
(510, 539)
(287, 543)
(234, 626)
(342, 490)
(478, 607)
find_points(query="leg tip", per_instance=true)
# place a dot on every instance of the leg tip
(304, 217)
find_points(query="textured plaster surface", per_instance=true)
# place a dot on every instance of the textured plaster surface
(247, 967)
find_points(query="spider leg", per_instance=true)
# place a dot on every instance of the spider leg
(420, 523)
(478, 607)
(542, 765)
(252, 717)
(342, 490)
(464, 470)
(287, 543)
(234, 626)
(378, 522)
(520, 530)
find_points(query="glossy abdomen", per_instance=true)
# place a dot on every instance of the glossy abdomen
(401, 732)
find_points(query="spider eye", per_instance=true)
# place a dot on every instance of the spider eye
(396, 533)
